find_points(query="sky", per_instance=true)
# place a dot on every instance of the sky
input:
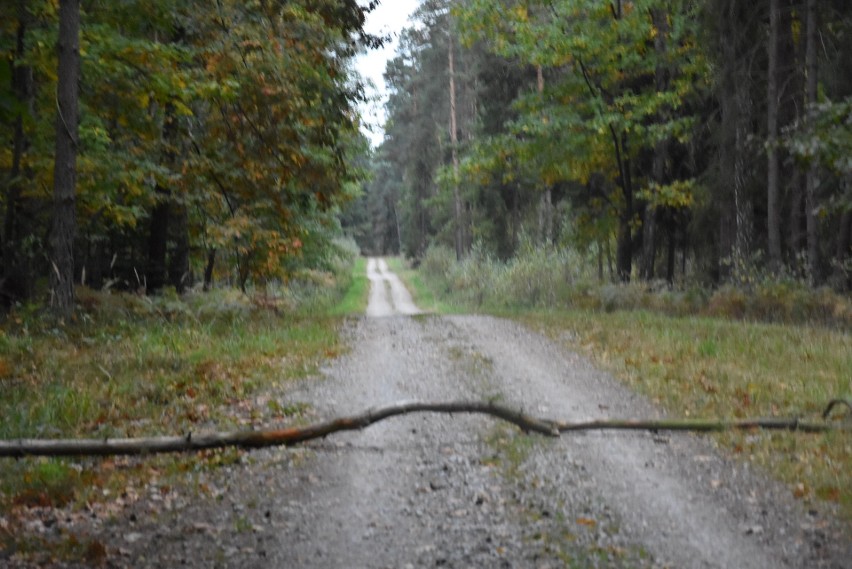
(388, 19)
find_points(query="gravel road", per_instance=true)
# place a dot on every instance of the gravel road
(462, 491)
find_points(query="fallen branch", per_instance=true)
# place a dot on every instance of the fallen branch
(295, 435)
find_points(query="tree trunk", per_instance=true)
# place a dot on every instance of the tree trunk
(208, 269)
(65, 168)
(661, 148)
(624, 250)
(791, 56)
(670, 253)
(734, 204)
(545, 212)
(609, 258)
(545, 218)
(812, 180)
(844, 243)
(179, 275)
(516, 217)
(773, 212)
(454, 142)
(15, 281)
(795, 224)
(158, 234)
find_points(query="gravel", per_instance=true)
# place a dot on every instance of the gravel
(464, 491)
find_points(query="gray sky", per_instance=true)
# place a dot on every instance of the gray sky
(389, 18)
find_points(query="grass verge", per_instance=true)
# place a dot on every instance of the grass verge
(355, 300)
(135, 366)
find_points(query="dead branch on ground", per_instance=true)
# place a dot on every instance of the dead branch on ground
(295, 435)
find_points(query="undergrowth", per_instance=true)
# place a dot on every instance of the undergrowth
(547, 278)
(773, 349)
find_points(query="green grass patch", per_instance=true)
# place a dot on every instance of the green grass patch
(354, 302)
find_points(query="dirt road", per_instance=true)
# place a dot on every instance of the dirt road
(428, 491)
(440, 491)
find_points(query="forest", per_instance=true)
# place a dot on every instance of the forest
(172, 143)
(691, 142)
(152, 144)
(587, 210)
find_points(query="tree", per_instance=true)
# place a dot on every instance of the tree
(813, 172)
(773, 214)
(606, 109)
(454, 149)
(65, 171)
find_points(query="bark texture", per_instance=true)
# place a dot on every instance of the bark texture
(65, 169)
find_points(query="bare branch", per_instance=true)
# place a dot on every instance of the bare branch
(296, 435)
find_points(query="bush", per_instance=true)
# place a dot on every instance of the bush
(475, 278)
(437, 263)
(538, 278)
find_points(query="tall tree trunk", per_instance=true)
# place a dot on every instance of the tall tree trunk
(454, 141)
(791, 86)
(208, 269)
(545, 212)
(661, 148)
(773, 211)
(670, 251)
(844, 250)
(624, 237)
(65, 168)
(844, 240)
(516, 217)
(179, 275)
(157, 273)
(624, 245)
(795, 223)
(158, 235)
(15, 281)
(735, 205)
(812, 180)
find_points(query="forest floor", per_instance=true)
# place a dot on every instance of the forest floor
(461, 491)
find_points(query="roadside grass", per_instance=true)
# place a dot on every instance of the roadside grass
(696, 365)
(135, 366)
(354, 302)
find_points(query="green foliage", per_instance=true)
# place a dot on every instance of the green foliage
(826, 138)
(633, 125)
(227, 128)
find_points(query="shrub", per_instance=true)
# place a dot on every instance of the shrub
(438, 262)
